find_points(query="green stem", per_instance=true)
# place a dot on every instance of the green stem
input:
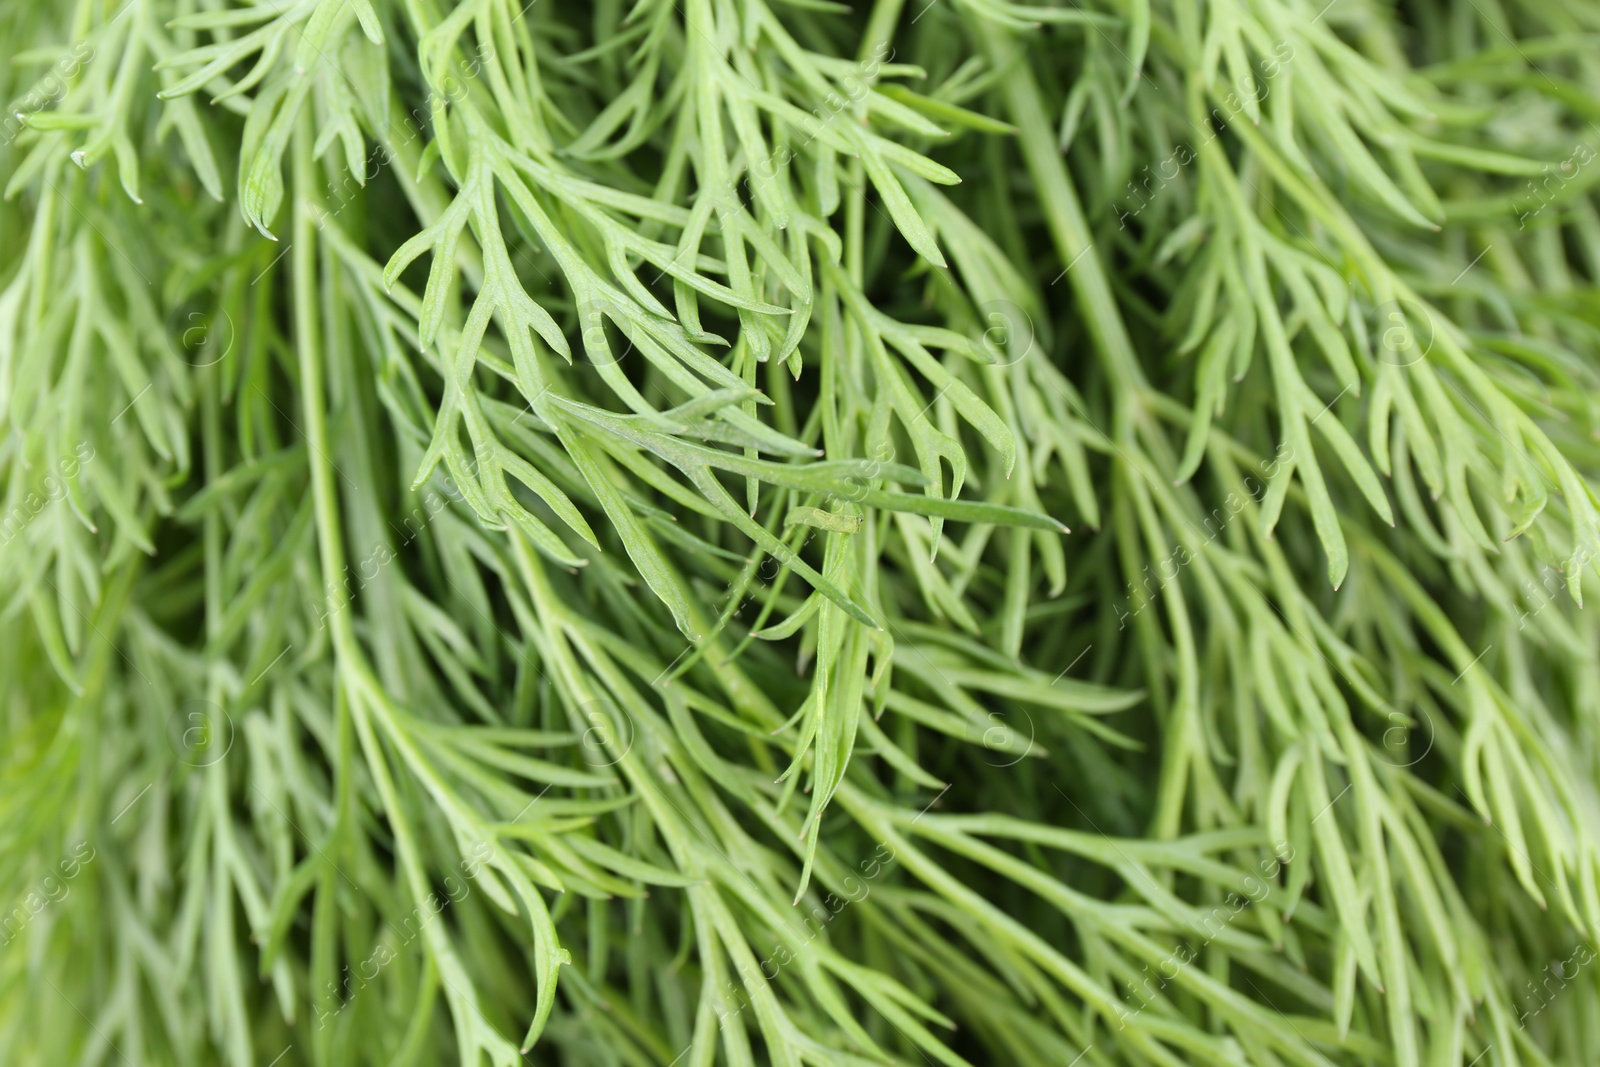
(308, 332)
(1063, 213)
(885, 13)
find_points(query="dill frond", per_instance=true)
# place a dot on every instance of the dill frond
(738, 532)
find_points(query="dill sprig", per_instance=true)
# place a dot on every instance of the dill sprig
(540, 533)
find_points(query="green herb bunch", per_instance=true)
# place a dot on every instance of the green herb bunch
(539, 532)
